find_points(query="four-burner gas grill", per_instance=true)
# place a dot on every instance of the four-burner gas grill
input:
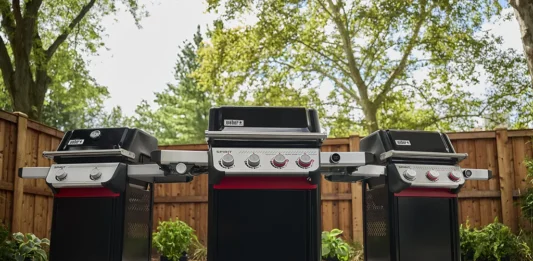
(264, 168)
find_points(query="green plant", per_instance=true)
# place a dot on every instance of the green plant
(29, 247)
(526, 201)
(199, 252)
(494, 242)
(173, 238)
(334, 247)
(356, 252)
(6, 249)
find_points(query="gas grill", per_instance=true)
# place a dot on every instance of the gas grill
(410, 207)
(102, 180)
(264, 182)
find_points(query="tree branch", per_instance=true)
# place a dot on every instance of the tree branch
(338, 82)
(347, 46)
(5, 66)
(31, 13)
(8, 23)
(403, 62)
(62, 37)
(16, 11)
(335, 62)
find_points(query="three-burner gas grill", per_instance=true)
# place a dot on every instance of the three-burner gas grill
(410, 208)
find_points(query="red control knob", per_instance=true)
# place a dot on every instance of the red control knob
(432, 175)
(454, 176)
(305, 161)
(279, 161)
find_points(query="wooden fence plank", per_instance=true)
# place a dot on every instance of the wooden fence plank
(506, 184)
(6, 116)
(18, 192)
(357, 199)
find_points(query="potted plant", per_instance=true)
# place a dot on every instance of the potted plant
(29, 247)
(173, 240)
(333, 247)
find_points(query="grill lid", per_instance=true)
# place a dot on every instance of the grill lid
(127, 145)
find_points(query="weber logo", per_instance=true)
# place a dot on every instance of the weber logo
(75, 142)
(234, 123)
(403, 142)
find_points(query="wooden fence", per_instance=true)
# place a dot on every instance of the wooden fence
(27, 204)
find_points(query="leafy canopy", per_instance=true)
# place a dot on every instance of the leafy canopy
(388, 64)
(42, 49)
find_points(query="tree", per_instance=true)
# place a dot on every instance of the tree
(182, 109)
(74, 99)
(403, 64)
(32, 33)
(182, 116)
(523, 10)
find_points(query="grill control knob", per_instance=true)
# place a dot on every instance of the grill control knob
(467, 173)
(61, 175)
(95, 174)
(454, 175)
(279, 161)
(227, 160)
(305, 161)
(254, 160)
(409, 174)
(181, 168)
(432, 175)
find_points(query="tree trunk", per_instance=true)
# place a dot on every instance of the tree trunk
(28, 96)
(371, 118)
(523, 10)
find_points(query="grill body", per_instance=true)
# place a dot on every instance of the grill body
(106, 217)
(263, 213)
(411, 221)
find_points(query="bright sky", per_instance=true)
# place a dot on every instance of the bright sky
(141, 61)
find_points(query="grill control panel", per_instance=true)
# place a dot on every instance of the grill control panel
(432, 176)
(80, 175)
(273, 161)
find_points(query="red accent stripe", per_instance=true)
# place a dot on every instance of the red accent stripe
(85, 193)
(264, 183)
(426, 193)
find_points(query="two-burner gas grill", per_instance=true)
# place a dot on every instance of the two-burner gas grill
(102, 180)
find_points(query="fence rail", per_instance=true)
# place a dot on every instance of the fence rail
(27, 204)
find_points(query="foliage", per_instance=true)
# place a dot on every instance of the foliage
(199, 252)
(333, 246)
(356, 252)
(173, 238)
(526, 200)
(183, 108)
(29, 247)
(32, 36)
(386, 64)
(6, 248)
(494, 242)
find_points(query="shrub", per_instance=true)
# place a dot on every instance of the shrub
(7, 251)
(199, 252)
(526, 201)
(173, 239)
(494, 242)
(333, 247)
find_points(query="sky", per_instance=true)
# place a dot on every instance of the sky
(140, 62)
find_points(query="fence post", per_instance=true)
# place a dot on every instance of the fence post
(357, 199)
(18, 188)
(506, 179)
